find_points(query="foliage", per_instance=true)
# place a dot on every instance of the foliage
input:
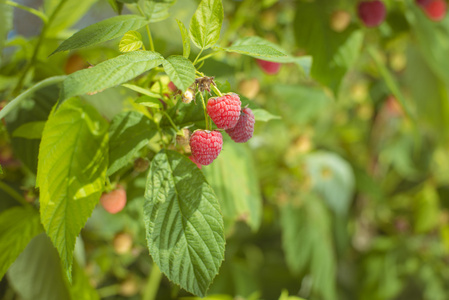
(340, 194)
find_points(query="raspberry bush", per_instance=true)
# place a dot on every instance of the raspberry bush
(224, 149)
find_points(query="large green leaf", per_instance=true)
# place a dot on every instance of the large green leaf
(206, 23)
(156, 10)
(333, 178)
(129, 132)
(37, 274)
(73, 159)
(102, 31)
(70, 12)
(180, 70)
(232, 176)
(183, 222)
(110, 73)
(333, 53)
(307, 242)
(18, 226)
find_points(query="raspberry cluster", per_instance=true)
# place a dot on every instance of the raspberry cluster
(226, 112)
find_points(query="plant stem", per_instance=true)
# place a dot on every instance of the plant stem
(207, 56)
(198, 56)
(205, 111)
(31, 10)
(171, 122)
(147, 27)
(37, 47)
(216, 90)
(153, 283)
(13, 193)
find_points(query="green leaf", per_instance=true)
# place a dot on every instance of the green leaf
(18, 226)
(307, 242)
(131, 41)
(331, 177)
(31, 130)
(141, 90)
(206, 23)
(183, 222)
(333, 53)
(180, 70)
(149, 101)
(1, 170)
(128, 134)
(73, 159)
(156, 10)
(260, 48)
(426, 208)
(70, 12)
(185, 39)
(110, 73)
(102, 31)
(232, 176)
(37, 272)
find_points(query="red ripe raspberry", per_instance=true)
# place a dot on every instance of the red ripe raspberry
(224, 110)
(435, 10)
(372, 13)
(206, 145)
(114, 202)
(244, 129)
(268, 67)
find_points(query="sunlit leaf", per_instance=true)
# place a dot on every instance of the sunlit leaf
(206, 23)
(73, 159)
(183, 222)
(131, 41)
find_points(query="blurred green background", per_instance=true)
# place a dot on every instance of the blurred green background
(341, 194)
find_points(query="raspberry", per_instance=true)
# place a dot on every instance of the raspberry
(114, 202)
(268, 67)
(435, 9)
(224, 110)
(372, 13)
(340, 20)
(206, 145)
(244, 129)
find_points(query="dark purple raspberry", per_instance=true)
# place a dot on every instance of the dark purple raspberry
(244, 129)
